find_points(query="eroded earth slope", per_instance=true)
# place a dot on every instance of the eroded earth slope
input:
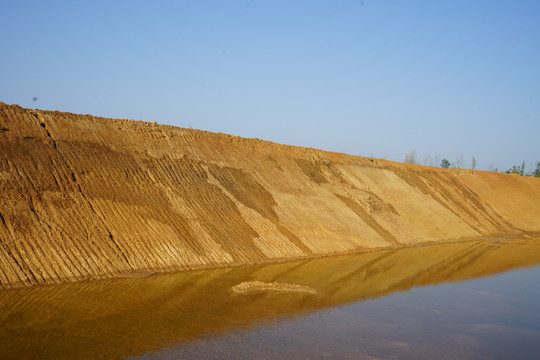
(84, 197)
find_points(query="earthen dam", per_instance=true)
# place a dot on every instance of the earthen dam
(84, 197)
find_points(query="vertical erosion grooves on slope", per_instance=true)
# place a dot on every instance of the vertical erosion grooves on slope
(86, 197)
(51, 231)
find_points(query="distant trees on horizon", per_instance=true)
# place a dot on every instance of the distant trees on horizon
(411, 158)
(445, 163)
(520, 170)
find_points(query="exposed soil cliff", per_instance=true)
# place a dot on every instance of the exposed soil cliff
(86, 197)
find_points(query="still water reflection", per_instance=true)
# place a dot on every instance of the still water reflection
(451, 301)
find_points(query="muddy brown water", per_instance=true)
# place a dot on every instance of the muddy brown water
(476, 299)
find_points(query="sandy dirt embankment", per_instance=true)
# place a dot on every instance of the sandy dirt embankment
(84, 197)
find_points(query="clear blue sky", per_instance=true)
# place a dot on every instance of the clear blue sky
(372, 78)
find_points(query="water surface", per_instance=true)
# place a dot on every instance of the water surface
(475, 300)
(489, 318)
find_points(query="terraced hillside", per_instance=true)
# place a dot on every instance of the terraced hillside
(85, 198)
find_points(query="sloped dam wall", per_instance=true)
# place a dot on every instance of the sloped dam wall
(84, 197)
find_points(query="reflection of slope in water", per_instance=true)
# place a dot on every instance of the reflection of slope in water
(121, 317)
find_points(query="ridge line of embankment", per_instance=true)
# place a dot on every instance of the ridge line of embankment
(86, 198)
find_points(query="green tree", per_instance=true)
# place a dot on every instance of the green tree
(445, 163)
(536, 172)
(520, 169)
(473, 165)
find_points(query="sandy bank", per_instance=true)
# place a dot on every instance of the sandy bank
(89, 198)
(248, 287)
